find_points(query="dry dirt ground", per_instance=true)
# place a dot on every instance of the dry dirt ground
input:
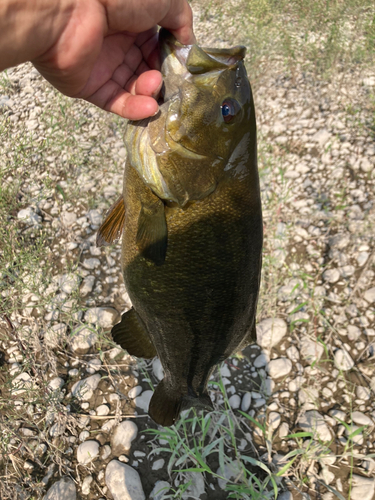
(295, 413)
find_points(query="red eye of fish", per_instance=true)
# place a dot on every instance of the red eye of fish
(229, 109)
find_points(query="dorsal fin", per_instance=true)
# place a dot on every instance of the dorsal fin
(112, 226)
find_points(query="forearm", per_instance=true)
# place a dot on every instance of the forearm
(28, 28)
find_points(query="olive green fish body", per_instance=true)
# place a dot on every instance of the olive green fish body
(192, 235)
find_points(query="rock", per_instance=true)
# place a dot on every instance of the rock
(363, 488)
(86, 483)
(343, 360)
(246, 401)
(158, 464)
(135, 391)
(361, 419)
(87, 452)
(286, 495)
(283, 430)
(362, 258)
(366, 165)
(261, 360)
(68, 218)
(102, 410)
(196, 488)
(270, 331)
(234, 401)
(21, 383)
(91, 263)
(231, 470)
(353, 333)
(87, 285)
(56, 383)
(69, 283)
(274, 420)
(157, 369)
(64, 489)
(82, 340)
(331, 275)
(338, 415)
(321, 137)
(369, 81)
(105, 452)
(93, 365)
(95, 217)
(123, 436)
(292, 353)
(143, 400)
(123, 482)
(105, 317)
(84, 389)
(159, 491)
(55, 334)
(312, 421)
(310, 350)
(280, 367)
(369, 295)
(29, 217)
(363, 392)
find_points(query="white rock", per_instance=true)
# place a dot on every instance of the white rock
(361, 419)
(21, 383)
(29, 217)
(95, 217)
(69, 283)
(86, 483)
(123, 436)
(261, 360)
(312, 421)
(331, 275)
(274, 420)
(362, 258)
(358, 438)
(105, 317)
(68, 218)
(280, 367)
(310, 350)
(102, 410)
(84, 389)
(82, 339)
(64, 489)
(159, 491)
(362, 392)
(123, 482)
(283, 430)
(246, 401)
(231, 470)
(370, 295)
(87, 452)
(270, 331)
(93, 365)
(367, 165)
(234, 401)
(143, 401)
(105, 452)
(292, 353)
(369, 81)
(196, 488)
(158, 464)
(296, 384)
(91, 263)
(363, 488)
(321, 137)
(353, 332)
(87, 285)
(56, 383)
(338, 415)
(157, 369)
(135, 391)
(343, 360)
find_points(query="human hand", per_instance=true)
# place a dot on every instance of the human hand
(108, 53)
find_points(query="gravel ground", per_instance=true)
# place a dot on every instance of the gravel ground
(309, 381)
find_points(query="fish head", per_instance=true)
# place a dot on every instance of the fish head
(206, 109)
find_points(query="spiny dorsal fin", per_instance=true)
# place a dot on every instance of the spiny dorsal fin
(112, 226)
(131, 334)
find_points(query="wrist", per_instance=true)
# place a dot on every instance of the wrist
(30, 27)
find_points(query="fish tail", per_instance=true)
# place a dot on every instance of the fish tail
(167, 403)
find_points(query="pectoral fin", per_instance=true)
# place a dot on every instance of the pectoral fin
(112, 226)
(131, 334)
(152, 235)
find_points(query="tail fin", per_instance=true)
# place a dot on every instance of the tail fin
(166, 404)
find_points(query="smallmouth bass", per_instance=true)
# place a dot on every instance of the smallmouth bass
(192, 224)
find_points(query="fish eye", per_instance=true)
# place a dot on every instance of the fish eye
(229, 109)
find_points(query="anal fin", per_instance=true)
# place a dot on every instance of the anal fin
(112, 226)
(131, 334)
(152, 235)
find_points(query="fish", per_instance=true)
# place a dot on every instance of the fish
(191, 224)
